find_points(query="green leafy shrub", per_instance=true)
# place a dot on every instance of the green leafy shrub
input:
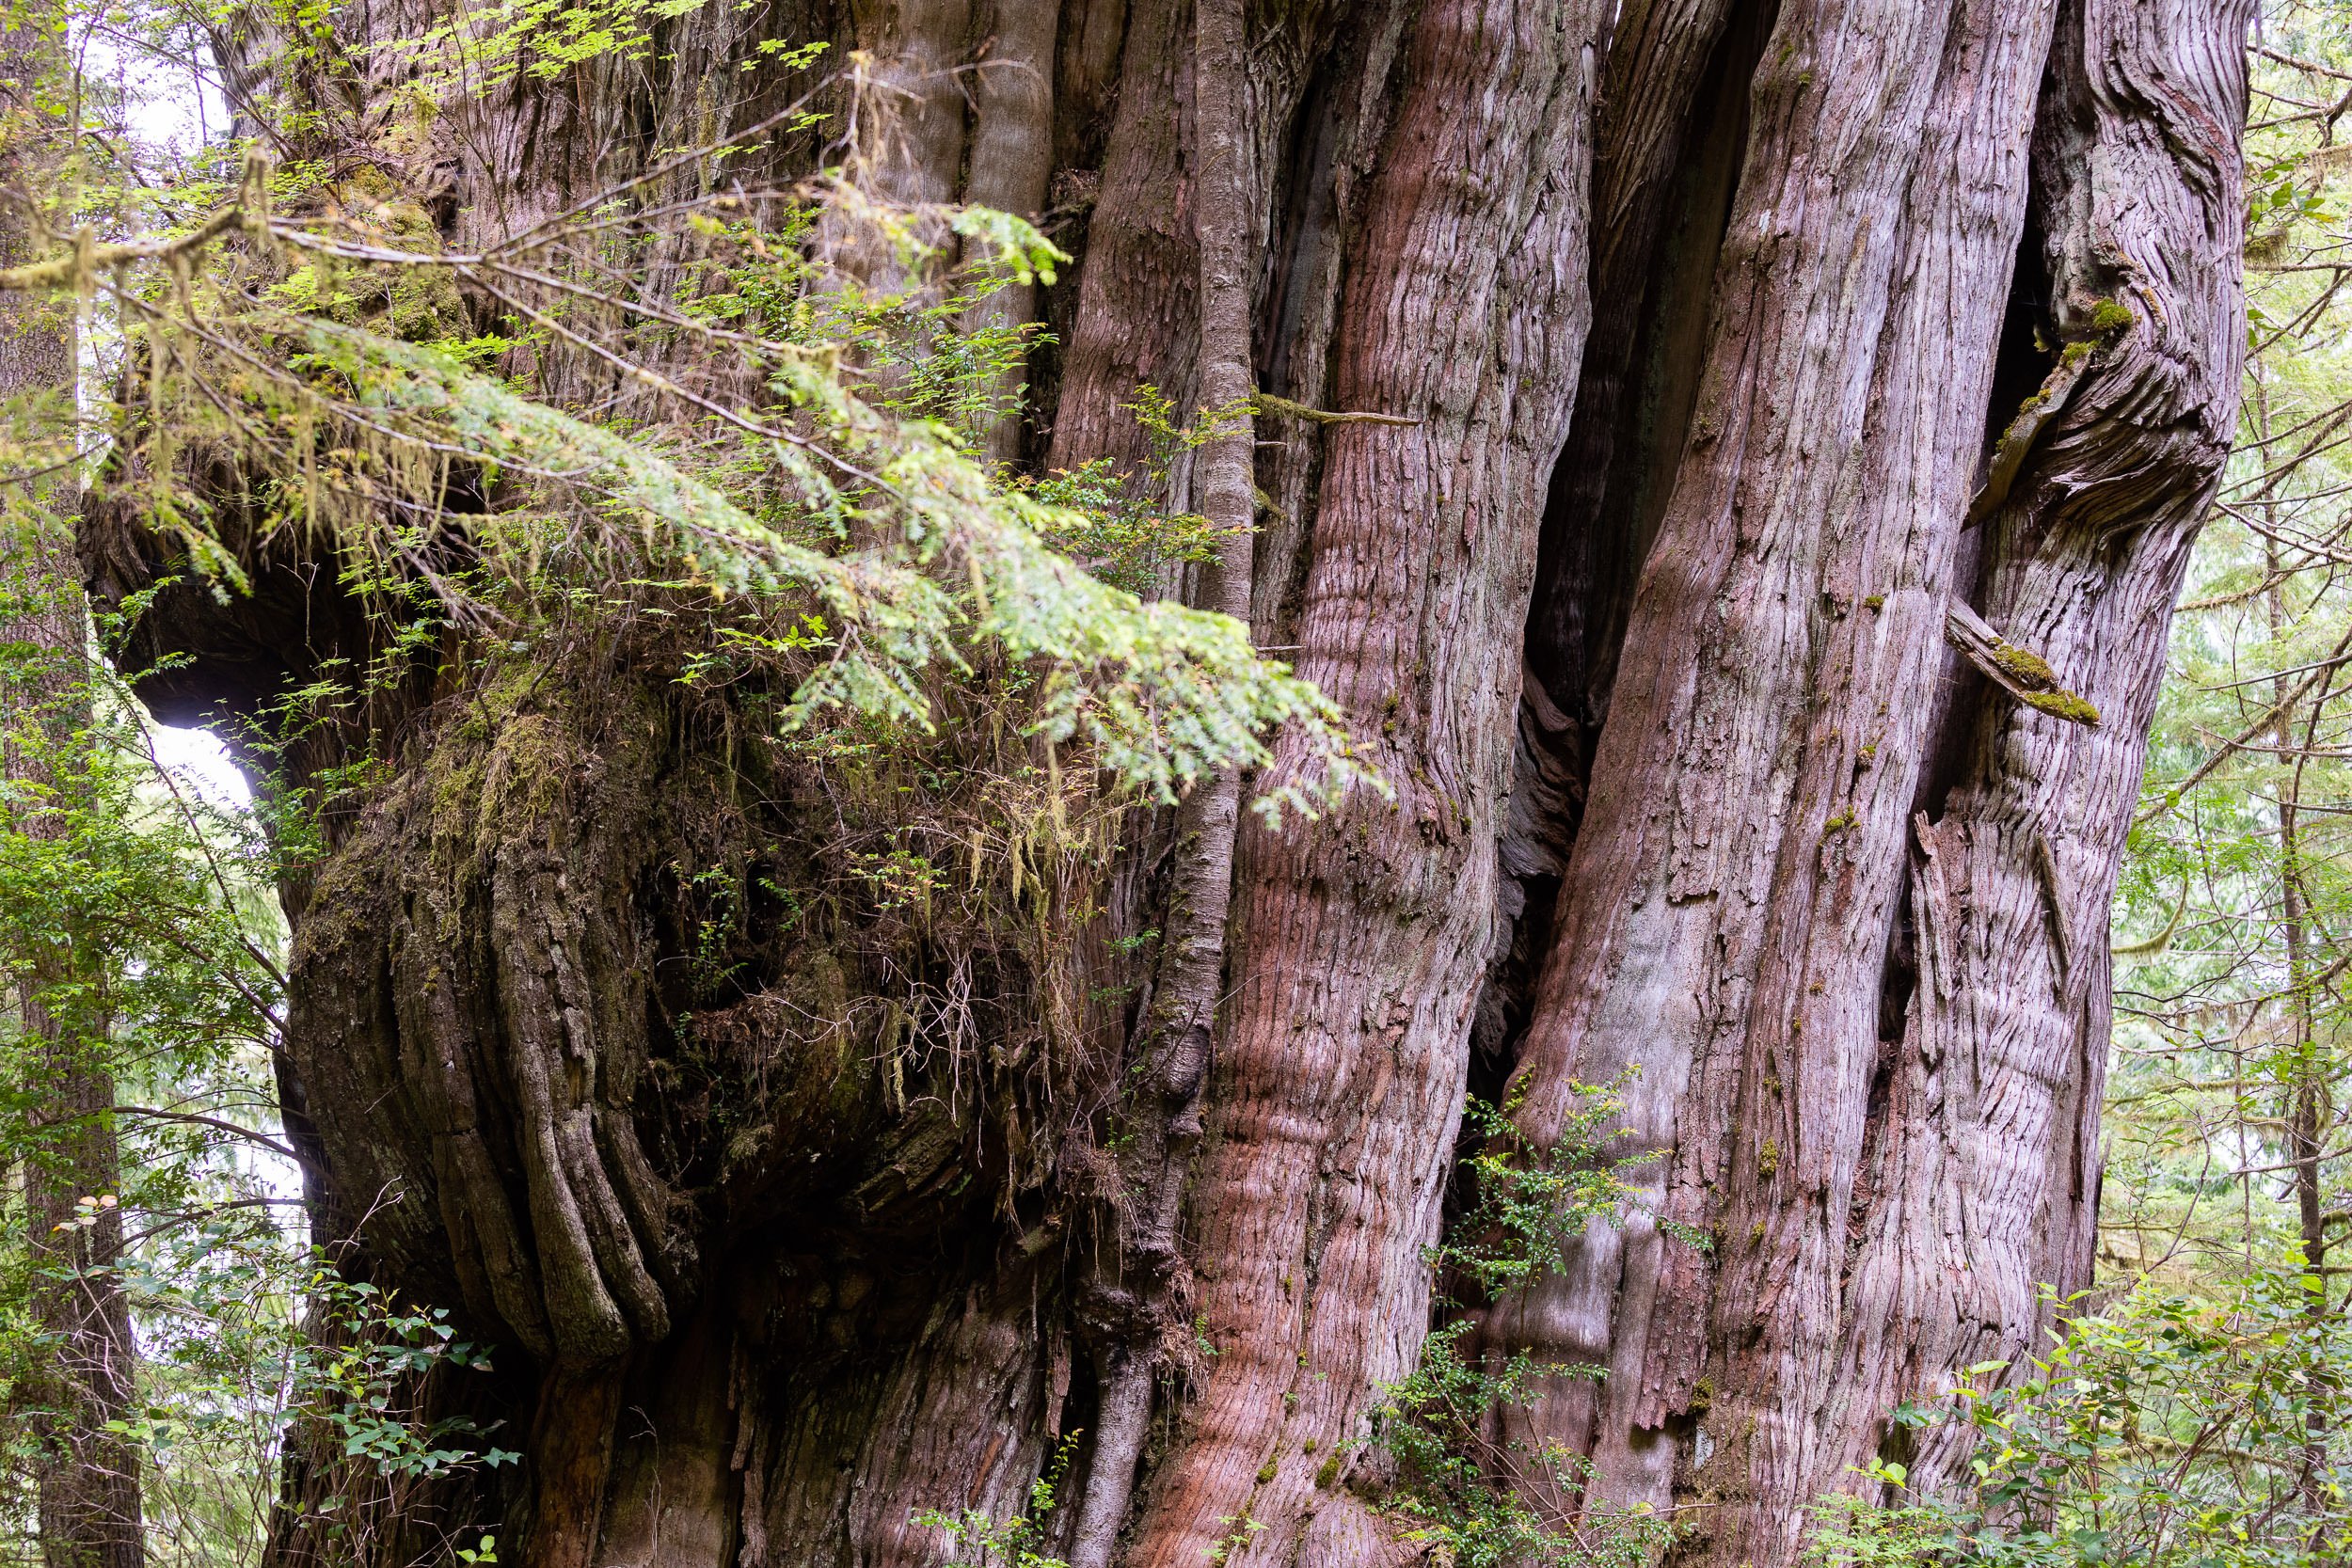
(2169, 1430)
(1471, 1486)
(1485, 1497)
(977, 1539)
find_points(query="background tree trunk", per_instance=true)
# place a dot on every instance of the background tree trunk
(90, 1504)
(90, 1478)
(1647, 626)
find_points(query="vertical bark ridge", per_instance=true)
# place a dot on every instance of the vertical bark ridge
(1086, 79)
(1724, 912)
(1012, 160)
(1175, 1059)
(1991, 1188)
(1138, 311)
(1247, 91)
(1362, 938)
(1967, 198)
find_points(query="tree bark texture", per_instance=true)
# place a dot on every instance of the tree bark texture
(1703, 318)
(1723, 916)
(1773, 785)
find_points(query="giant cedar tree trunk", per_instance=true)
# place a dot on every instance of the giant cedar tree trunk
(1648, 627)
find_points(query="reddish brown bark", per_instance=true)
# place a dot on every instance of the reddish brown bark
(1986, 1174)
(1362, 939)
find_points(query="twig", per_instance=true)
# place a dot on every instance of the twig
(1268, 402)
(2024, 675)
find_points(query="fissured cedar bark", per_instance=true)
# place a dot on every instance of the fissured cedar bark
(1725, 915)
(1362, 939)
(1694, 326)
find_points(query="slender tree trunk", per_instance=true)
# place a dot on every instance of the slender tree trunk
(90, 1480)
(1696, 327)
(1148, 1264)
(90, 1507)
(2307, 1078)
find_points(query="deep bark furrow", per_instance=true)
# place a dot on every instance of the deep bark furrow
(1656, 123)
(1362, 938)
(1671, 128)
(1724, 909)
(1343, 114)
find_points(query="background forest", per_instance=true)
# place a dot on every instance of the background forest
(189, 1375)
